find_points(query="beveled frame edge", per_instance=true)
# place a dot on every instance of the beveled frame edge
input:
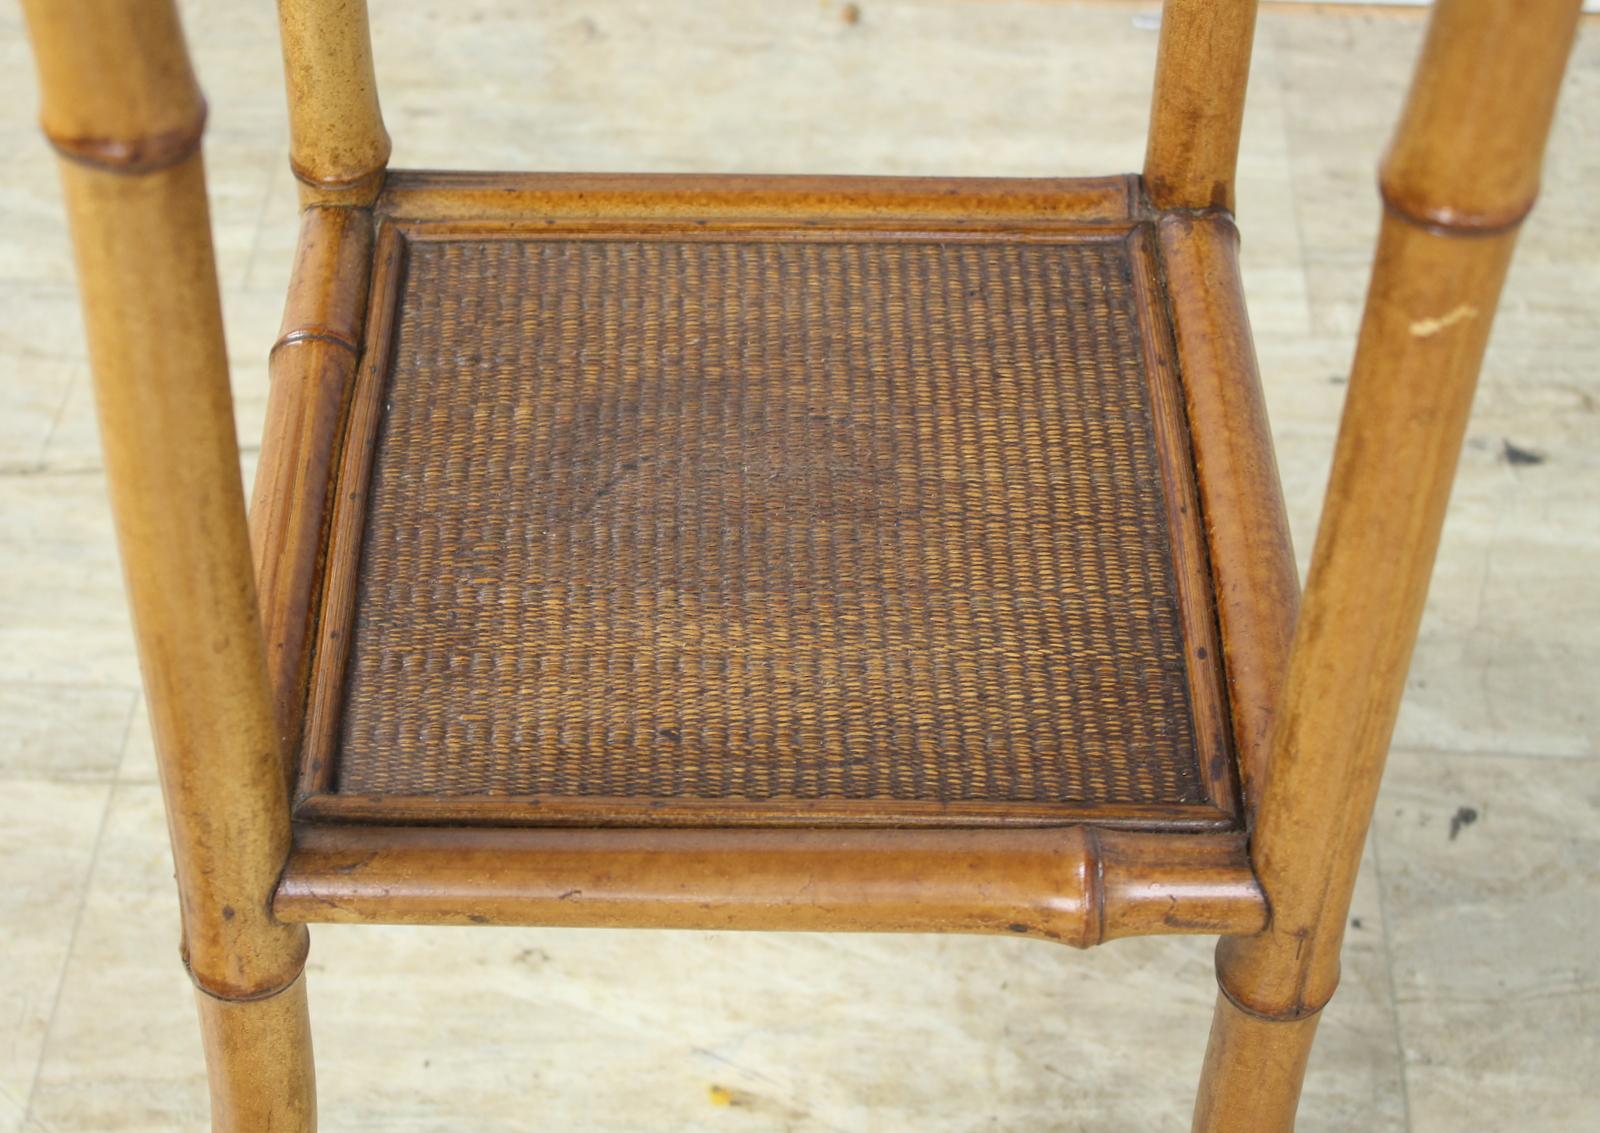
(1255, 582)
(914, 229)
(311, 369)
(432, 195)
(317, 801)
(1215, 751)
(1078, 886)
(325, 667)
(779, 813)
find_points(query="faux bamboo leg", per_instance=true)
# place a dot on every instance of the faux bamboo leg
(259, 1055)
(1253, 1070)
(338, 146)
(1202, 66)
(121, 105)
(1461, 174)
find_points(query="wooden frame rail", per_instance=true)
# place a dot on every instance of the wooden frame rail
(1075, 885)
(1247, 526)
(312, 366)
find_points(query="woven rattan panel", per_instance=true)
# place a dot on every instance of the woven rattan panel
(829, 519)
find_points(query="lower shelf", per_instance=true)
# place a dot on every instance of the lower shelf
(871, 520)
(783, 553)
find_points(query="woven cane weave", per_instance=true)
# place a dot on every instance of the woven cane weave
(763, 519)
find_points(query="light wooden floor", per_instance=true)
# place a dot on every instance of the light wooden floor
(1472, 979)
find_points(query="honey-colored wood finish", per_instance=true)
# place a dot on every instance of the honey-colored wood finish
(337, 142)
(118, 91)
(1468, 150)
(1301, 708)
(1202, 65)
(269, 1042)
(1275, 1051)
(1435, 285)
(311, 367)
(155, 340)
(125, 116)
(1203, 657)
(1253, 572)
(1076, 885)
(478, 198)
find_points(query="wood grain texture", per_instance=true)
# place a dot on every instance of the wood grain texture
(328, 284)
(1427, 320)
(334, 598)
(1202, 68)
(338, 144)
(484, 197)
(1435, 284)
(1255, 582)
(1485, 63)
(1411, 385)
(117, 89)
(259, 1053)
(1076, 885)
(311, 368)
(1312, 714)
(1255, 1068)
(166, 418)
(136, 198)
(1214, 747)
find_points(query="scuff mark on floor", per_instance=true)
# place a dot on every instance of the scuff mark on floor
(1515, 454)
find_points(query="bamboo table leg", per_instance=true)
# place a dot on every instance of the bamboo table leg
(338, 146)
(1462, 173)
(121, 106)
(1202, 64)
